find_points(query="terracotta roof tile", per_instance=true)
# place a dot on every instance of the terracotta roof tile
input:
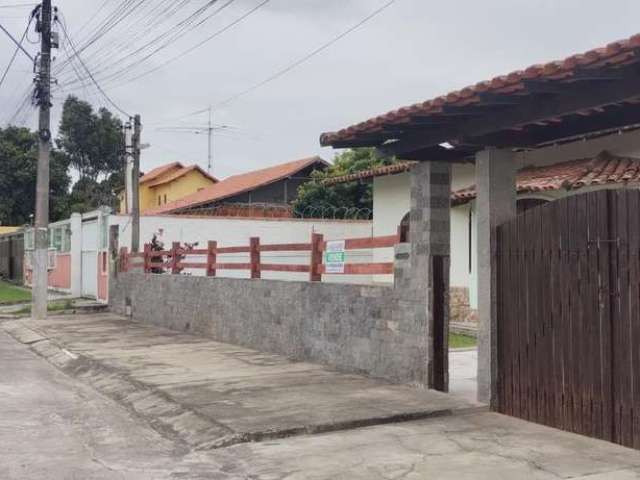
(616, 53)
(159, 171)
(370, 173)
(177, 174)
(602, 170)
(237, 184)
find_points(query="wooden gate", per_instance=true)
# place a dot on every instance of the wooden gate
(569, 315)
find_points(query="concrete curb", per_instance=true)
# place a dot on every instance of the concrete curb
(170, 418)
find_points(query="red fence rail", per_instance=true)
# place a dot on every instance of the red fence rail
(177, 259)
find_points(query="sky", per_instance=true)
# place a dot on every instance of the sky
(410, 52)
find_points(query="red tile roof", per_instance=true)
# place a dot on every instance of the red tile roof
(179, 173)
(370, 173)
(237, 184)
(614, 54)
(159, 171)
(604, 169)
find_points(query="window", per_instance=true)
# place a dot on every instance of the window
(29, 239)
(404, 228)
(159, 200)
(165, 198)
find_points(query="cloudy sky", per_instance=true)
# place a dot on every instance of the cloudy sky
(411, 51)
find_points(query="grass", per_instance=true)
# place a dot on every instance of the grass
(461, 341)
(51, 307)
(12, 294)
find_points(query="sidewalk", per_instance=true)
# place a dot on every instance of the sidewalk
(210, 394)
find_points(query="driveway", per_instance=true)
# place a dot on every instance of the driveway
(210, 394)
(463, 373)
(54, 426)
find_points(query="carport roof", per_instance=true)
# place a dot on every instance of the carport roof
(589, 92)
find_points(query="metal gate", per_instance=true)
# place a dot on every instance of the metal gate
(90, 259)
(569, 315)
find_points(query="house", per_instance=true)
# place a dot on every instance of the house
(166, 184)
(536, 185)
(271, 186)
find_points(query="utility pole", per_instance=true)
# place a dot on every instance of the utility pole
(210, 132)
(135, 207)
(43, 82)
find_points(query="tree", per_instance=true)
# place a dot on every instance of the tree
(91, 143)
(314, 195)
(18, 169)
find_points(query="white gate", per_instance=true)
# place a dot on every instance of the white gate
(90, 259)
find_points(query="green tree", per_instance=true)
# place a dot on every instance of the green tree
(18, 167)
(315, 194)
(90, 140)
(91, 143)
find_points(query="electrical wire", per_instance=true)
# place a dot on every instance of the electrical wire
(18, 44)
(111, 102)
(15, 53)
(199, 44)
(305, 58)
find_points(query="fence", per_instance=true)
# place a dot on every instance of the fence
(178, 258)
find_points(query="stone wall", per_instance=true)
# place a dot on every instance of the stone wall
(360, 329)
(397, 333)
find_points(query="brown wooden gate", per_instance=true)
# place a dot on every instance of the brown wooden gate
(569, 315)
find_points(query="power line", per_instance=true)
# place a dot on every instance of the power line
(18, 44)
(199, 44)
(15, 53)
(159, 43)
(66, 34)
(307, 57)
(295, 64)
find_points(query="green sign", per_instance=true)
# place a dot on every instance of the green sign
(334, 257)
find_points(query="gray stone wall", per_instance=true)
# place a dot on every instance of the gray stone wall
(360, 329)
(386, 332)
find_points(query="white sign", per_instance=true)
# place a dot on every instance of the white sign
(334, 257)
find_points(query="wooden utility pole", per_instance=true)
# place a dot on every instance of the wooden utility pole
(43, 85)
(135, 207)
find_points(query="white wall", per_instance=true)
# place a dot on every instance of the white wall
(237, 231)
(391, 202)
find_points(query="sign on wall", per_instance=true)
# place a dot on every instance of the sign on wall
(334, 257)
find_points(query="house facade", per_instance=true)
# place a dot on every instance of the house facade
(543, 177)
(268, 187)
(166, 184)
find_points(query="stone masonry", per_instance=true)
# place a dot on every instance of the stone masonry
(381, 331)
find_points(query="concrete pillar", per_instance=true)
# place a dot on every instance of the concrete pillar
(429, 237)
(496, 204)
(76, 254)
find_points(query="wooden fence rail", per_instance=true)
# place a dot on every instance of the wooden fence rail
(178, 258)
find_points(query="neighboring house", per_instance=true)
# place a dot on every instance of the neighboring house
(272, 186)
(167, 184)
(536, 185)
